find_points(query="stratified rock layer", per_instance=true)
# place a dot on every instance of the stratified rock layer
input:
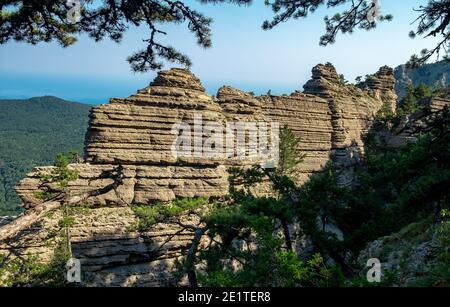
(351, 111)
(137, 133)
(309, 117)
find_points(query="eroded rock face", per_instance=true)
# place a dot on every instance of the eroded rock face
(329, 117)
(380, 86)
(138, 130)
(309, 117)
(351, 111)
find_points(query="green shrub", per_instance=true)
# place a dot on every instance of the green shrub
(149, 215)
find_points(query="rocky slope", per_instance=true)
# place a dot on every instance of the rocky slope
(136, 133)
(434, 75)
(416, 256)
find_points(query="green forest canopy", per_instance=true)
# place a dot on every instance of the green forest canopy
(33, 132)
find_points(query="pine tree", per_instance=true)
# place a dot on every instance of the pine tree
(290, 155)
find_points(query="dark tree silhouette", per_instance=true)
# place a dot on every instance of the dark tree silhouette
(35, 21)
(361, 14)
(434, 21)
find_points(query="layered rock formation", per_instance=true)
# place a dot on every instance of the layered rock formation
(137, 133)
(409, 126)
(351, 110)
(309, 117)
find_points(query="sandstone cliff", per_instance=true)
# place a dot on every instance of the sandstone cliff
(329, 117)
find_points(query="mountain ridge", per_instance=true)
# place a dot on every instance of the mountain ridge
(436, 75)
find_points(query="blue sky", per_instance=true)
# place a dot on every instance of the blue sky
(243, 55)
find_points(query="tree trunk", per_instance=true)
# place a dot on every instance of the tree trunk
(27, 219)
(37, 212)
(287, 235)
(190, 258)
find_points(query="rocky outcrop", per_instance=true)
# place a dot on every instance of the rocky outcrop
(417, 255)
(138, 130)
(138, 134)
(407, 130)
(380, 86)
(436, 104)
(351, 110)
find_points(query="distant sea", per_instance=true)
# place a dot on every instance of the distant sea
(90, 90)
(72, 88)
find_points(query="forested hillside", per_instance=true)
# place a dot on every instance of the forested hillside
(32, 132)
